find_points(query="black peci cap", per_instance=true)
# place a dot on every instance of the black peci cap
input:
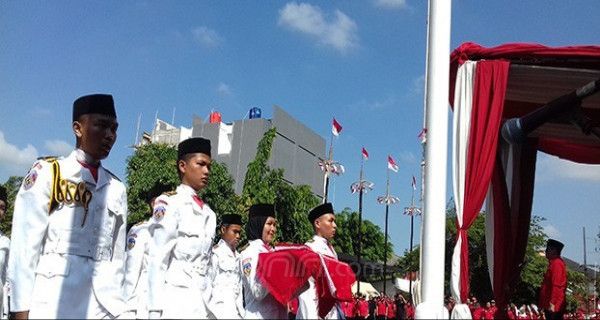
(193, 145)
(231, 218)
(261, 210)
(94, 103)
(555, 244)
(320, 210)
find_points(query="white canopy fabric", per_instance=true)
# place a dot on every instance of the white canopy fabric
(366, 289)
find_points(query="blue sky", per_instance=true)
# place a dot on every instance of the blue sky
(360, 61)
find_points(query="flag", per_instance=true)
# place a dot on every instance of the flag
(365, 154)
(423, 135)
(392, 164)
(414, 183)
(336, 128)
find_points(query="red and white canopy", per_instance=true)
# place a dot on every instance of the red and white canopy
(487, 87)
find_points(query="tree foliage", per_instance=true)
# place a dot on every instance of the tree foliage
(150, 164)
(373, 239)
(12, 186)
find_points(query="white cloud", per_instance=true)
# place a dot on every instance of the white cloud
(340, 32)
(223, 90)
(551, 231)
(14, 160)
(207, 37)
(418, 85)
(58, 147)
(408, 157)
(391, 4)
(550, 168)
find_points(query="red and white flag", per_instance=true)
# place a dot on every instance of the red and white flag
(392, 164)
(365, 154)
(336, 128)
(423, 135)
(414, 183)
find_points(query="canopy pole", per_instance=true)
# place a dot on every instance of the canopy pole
(436, 119)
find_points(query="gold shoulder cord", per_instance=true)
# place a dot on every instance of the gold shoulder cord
(55, 194)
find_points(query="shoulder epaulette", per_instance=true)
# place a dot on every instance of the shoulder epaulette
(48, 158)
(112, 174)
(170, 193)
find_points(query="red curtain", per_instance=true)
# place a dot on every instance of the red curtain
(486, 115)
(512, 215)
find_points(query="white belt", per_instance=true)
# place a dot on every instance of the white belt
(196, 267)
(94, 252)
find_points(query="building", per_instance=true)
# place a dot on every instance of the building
(296, 148)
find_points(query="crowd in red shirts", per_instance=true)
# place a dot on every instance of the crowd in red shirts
(378, 308)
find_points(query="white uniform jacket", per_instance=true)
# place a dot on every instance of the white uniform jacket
(4, 248)
(227, 301)
(61, 267)
(308, 300)
(136, 274)
(182, 232)
(259, 303)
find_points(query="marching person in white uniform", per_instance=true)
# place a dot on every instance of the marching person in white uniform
(182, 230)
(260, 230)
(322, 219)
(68, 232)
(227, 301)
(4, 248)
(136, 270)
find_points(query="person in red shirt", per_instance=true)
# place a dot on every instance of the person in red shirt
(381, 309)
(363, 308)
(554, 285)
(391, 309)
(410, 310)
(477, 311)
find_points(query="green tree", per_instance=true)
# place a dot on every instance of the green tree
(263, 184)
(149, 165)
(373, 239)
(12, 186)
(260, 183)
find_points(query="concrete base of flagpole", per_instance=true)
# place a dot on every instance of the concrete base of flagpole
(427, 310)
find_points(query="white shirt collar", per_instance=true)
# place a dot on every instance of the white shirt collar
(185, 189)
(84, 157)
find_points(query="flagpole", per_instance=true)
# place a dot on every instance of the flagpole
(360, 197)
(326, 176)
(412, 204)
(387, 207)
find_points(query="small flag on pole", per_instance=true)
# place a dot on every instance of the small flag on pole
(365, 154)
(336, 128)
(392, 164)
(423, 135)
(414, 183)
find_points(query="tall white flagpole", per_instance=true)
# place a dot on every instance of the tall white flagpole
(436, 154)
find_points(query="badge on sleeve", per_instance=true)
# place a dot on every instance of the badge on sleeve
(247, 266)
(131, 241)
(159, 212)
(29, 180)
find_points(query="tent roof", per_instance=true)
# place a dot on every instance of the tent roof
(537, 75)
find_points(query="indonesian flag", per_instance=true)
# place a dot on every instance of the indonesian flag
(414, 183)
(286, 271)
(336, 128)
(392, 164)
(365, 154)
(423, 135)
